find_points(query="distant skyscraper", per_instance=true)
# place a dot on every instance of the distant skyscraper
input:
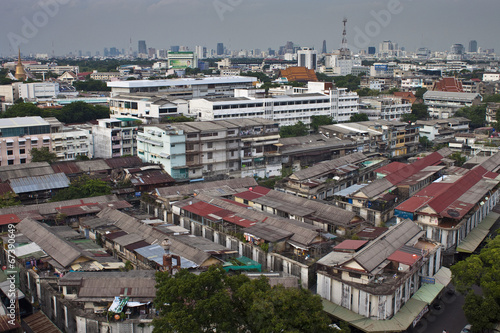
(473, 46)
(174, 48)
(323, 50)
(371, 50)
(142, 47)
(220, 49)
(457, 49)
(307, 57)
(201, 52)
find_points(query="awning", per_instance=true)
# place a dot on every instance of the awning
(428, 292)
(46, 137)
(5, 287)
(22, 140)
(118, 304)
(399, 322)
(470, 243)
(9, 141)
(443, 276)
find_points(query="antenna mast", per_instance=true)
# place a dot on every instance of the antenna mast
(344, 51)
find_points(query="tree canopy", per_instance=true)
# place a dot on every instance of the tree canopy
(43, 155)
(76, 112)
(299, 129)
(355, 118)
(317, 121)
(418, 112)
(217, 302)
(483, 270)
(476, 114)
(83, 187)
(351, 82)
(91, 85)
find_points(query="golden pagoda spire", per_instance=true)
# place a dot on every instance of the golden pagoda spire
(20, 72)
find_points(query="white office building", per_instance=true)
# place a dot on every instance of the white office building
(384, 107)
(307, 57)
(149, 108)
(37, 90)
(114, 137)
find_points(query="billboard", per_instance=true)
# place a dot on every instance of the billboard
(180, 63)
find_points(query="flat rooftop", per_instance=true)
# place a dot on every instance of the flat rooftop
(181, 82)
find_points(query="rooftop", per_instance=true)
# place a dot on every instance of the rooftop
(181, 82)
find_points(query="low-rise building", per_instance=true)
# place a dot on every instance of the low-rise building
(105, 76)
(378, 285)
(443, 104)
(443, 130)
(491, 113)
(384, 107)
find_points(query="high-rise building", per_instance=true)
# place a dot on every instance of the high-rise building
(323, 50)
(201, 52)
(371, 50)
(174, 48)
(457, 49)
(307, 57)
(220, 49)
(151, 52)
(473, 46)
(142, 47)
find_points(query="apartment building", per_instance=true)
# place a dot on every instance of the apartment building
(21, 134)
(384, 107)
(104, 76)
(73, 141)
(148, 107)
(491, 112)
(114, 137)
(207, 149)
(443, 104)
(443, 130)
(186, 88)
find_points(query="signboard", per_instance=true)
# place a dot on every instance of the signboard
(180, 63)
(420, 315)
(381, 67)
(429, 280)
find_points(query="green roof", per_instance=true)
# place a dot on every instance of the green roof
(428, 292)
(470, 243)
(126, 119)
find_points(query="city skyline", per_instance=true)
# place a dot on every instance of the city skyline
(62, 26)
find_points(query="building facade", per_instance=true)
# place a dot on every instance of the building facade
(115, 137)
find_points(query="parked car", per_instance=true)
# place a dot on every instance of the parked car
(466, 329)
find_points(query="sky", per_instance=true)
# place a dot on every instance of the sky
(65, 26)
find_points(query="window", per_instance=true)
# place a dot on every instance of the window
(22, 161)
(22, 151)
(355, 275)
(210, 155)
(210, 145)
(9, 144)
(10, 152)
(10, 162)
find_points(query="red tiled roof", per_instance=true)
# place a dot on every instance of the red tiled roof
(411, 169)
(210, 211)
(390, 168)
(350, 244)
(116, 234)
(9, 218)
(404, 258)
(372, 232)
(299, 74)
(449, 84)
(66, 167)
(255, 193)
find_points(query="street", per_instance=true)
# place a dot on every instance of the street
(449, 316)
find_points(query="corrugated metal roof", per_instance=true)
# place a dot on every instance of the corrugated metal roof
(124, 162)
(328, 166)
(404, 258)
(238, 183)
(39, 183)
(33, 169)
(40, 323)
(66, 167)
(93, 165)
(156, 252)
(350, 244)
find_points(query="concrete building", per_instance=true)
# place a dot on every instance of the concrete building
(491, 112)
(186, 88)
(443, 130)
(384, 107)
(115, 137)
(285, 109)
(105, 76)
(444, 104)
(19, 136)
(378, 285)
(453, 206)
(182, 60)
(491, 77)
(338, 64)
(211, 149)
(307, 57)
(38, 91)
(72, 141)
(148, 107)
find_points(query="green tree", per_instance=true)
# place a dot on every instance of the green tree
(476, 114)
(78, 112)
(419, 93)
(420, 111)
(259, 75)
(299, 129)
(217, 302)
(458, 158)
(91, 85)
(43, 155)
(367, 92)
(483, 270)
(83, 187)
(317, 121)
(425, 142)
(22, 110)
(9, 199)
(355, 118)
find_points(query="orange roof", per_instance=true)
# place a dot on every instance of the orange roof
(406, 96)
(299, 74)
(449, 84)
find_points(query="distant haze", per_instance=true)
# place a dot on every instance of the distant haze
(91, 25)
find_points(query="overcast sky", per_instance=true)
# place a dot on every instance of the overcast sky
(92, 25)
